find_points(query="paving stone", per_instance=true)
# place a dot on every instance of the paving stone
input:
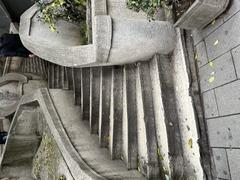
(234, 8)
(224, 131)
(236, 58)
(222, 70)
(221, 164)
(210, 104)
(197, 36)
(227, 36)
(212, 26)
(234, 162)
(228, 98)
(201, 54)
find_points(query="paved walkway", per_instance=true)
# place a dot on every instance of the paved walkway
(218, 56)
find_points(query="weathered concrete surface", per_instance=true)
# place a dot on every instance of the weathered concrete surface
(234, 159)
(22, 142)
(116, 40)
(186, 115)
(221, 98)
(224, 132)
(222, 69)
(130, 119)
(220, 157)
(201, 13)
(210, 104)
(86, 144)
(116, 113)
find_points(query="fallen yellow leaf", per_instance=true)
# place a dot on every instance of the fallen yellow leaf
(211, 79)
(216, 42)
(190, 143)
(211, 64)
(196, 56)
(213, 22)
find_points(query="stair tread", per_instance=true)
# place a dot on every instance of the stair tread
(86, 144)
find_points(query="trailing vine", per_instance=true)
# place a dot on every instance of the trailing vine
(147, 6)
(150, 7)
(68, 10)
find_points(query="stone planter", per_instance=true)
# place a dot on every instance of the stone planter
(201, 13)
(118, 37)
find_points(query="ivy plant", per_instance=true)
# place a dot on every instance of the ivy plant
(147, 6)
(150, 7)
(68, 10)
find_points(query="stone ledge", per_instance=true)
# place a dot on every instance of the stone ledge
(201, 13)
(115, 40)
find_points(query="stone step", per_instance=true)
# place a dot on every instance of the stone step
(65, 79)
(85, 143)
(116, 113)
(34, 65)
(130, 136)
(132, 110)
(147, 137)
(85, 91)
(70, 78)
(57, 77)
(51, 76)
(167, 115)
(77, 85)
(104, 105)
(95, 74)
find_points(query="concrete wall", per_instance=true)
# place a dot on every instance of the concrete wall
(218, 57)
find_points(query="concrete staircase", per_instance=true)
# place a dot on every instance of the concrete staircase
(134, 121)
(130, 111)
(35, 66)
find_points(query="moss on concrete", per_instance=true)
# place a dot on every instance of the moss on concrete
(46, 161)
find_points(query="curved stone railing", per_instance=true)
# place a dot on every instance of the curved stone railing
(116, 40)
(41, 102)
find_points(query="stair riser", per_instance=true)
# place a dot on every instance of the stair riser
(85, 91)
(94, 99)
(116, 113)
(104, 107)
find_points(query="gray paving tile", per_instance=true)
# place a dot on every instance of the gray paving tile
(210, 104)
(197, 36)
(227, 36)
(222, 70)
(212, 26)
(236, 58)
(224, 132)
(228, 98)
(234, 7)
(234, 163)
(221, 164)
(201, 54)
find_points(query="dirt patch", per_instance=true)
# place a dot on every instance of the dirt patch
(181, 6)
